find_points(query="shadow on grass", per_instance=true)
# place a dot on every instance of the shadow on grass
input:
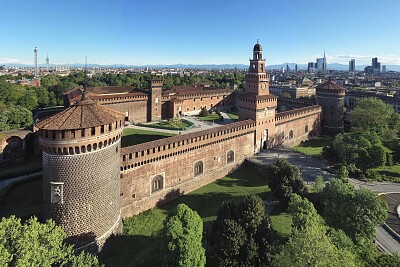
(133, 250)
(390, 174)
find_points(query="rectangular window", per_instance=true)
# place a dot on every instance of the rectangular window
(109, 127)
(83, 132)
(62, 134)
(73, 134)
(93, 131)
(102, 129)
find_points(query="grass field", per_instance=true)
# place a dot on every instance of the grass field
(314, 146)
(233, 116)
(211, 118)
(140, 244)
(30, 166)
(174, 124)
(392, 173)
(136, 136)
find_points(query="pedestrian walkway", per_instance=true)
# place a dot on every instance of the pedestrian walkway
(6, 182)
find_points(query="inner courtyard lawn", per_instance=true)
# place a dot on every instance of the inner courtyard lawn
(133, 136)
(314, 146)
(211, 118)
(141, 244)
(172, 124)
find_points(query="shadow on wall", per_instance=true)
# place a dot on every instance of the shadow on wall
(278, 140)
(14, 149)
(175, 193)
(315, 130)
(82, 240)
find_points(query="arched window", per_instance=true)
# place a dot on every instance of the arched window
(70, 151)
(94, 146)
(306, 129)
(291, 134)
(230, 156)
(89, 148)
(198, 168)
(77, 150)
(157, 183)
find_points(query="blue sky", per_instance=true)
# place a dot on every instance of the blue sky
(199, 31)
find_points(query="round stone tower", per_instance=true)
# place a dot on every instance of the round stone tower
(81, 167)
(331, 97)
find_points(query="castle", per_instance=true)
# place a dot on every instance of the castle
(90, 183)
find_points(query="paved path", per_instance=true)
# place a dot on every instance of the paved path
(6, 182)
(311, 167)
(199, 125)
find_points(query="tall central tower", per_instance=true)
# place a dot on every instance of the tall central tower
(257, 103)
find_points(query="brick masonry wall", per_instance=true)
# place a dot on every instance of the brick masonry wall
(304, 126)
(178, 173)
(137, 110)
(90, 211)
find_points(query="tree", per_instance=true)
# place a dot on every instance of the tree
(285, 179)
(372, 114)
(13, 117)
(319, 183)
(356, 212)
(241, 235)
(309, 244)
(343, 173)
(303, 213)
(204, 112)
(183, 231)
(37, 244)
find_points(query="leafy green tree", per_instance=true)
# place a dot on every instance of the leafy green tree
(319, 183)
(309, 244)
(241, 235)
(37, 244)
(251, 213)
(14, 117)
(285, 179)
(204, 112)
(343, 173)
(356, 212)
(183, 232)
(303, 213)
(374, 115)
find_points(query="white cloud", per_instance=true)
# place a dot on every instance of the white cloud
(15, 61)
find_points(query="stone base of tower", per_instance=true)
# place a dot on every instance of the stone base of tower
(104, 242)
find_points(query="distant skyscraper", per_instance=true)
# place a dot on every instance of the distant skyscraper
(311, 68)
(352, 65)
(321, 63)
(376, 66)
(383, 68)
(287, 68)
(296, 68)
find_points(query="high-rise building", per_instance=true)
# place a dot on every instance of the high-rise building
(287, 68)
(311, 68)
(352, 65)
(296, 68)
(321, 64)
(383, 68)
(374, 62)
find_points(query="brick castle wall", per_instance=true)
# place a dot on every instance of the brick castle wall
(90, 211)
(293, 127)
(175, 164)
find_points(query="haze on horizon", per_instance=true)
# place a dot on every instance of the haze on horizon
(199, 32)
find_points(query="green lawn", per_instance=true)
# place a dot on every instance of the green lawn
(171, 124)
(314, 146)
(211, 118)
(31, 165)
(136, 136)
(140, 244)
(392, 173)
(233, 116)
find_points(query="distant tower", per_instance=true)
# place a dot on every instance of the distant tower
(36, 71)
(47, 63)
(324, 66)
(331, 97)
(81, 171)
(256, 102)
(296, 68)
(352, 65)
(155, 100)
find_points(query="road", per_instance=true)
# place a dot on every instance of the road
(311, 167)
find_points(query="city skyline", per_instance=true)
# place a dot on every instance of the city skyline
(206, 32)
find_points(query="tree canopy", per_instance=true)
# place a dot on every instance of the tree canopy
(35, 244)
(285, 179)
(373, 115)
(356, 212)
(183, 232)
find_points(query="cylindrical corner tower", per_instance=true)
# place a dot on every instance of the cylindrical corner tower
(81, 167)
(331, 97)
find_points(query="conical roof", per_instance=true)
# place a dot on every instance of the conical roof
(330, 85)
(84, 114)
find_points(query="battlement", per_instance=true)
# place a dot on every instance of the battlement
(286, 116)
(157, 82)
(138, 155)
